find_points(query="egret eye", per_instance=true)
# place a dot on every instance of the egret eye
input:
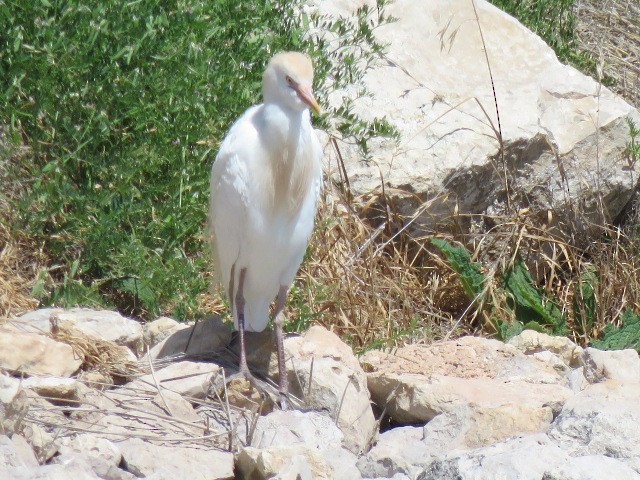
(289, 80)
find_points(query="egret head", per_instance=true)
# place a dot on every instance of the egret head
(288, 81)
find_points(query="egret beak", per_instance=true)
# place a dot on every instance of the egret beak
(306, 95)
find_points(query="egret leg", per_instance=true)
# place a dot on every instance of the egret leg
(239, 303)
(278, 321)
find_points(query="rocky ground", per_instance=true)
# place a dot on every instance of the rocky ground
(90, 394)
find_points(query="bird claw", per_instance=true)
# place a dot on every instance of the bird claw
(242, 389)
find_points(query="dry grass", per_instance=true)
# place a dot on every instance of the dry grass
(19, 261)
(370, 281)
(382, 286)
(20, 257)
(610, 31)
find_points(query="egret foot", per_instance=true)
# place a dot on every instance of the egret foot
(243, 390)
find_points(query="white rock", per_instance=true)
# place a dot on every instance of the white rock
(13, 405)
(161, 328)
(172, 462)
(401, 450)
(15, 452)
(603, 419)
(285, 463)
(620, 365)
(163, 414)
(53, 387)
(36, 321)
(434, 87)
(418, 382)
(592, 467)
(293, 427)
(207, 336)
(577, 379)
(191, 379)
(36, 354)
(324, 372)
(44, 445)
(524, 458)
(101, 455)
(408, 449)
(102, 324)
(105, 325)
(74, 469)
(312, 430)
(175, 405)
(24, 450)
(532, 342)
(553, 360)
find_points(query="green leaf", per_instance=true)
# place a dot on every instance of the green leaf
(470, 273)
(625, 336)
(142, 291)
(530, 304)
(584, 299)
(507, 330)
(39, 287)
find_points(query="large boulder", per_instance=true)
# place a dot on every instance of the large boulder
(562, 133)
(416, 383)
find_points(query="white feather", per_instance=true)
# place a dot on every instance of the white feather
(265, 183)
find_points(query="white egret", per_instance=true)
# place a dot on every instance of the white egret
(265, 183)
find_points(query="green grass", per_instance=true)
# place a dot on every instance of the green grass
(122, 104)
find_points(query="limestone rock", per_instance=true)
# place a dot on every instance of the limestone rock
(56, 388)
(156, 331)
(161, 462)
(191, 379)
(102, 455)
(43, 444)
(75, 469)
(313, 430)
(324, 372)
(482, 426)
(13, 405)
(601, 420)
(560, 129)
(409, 449)
(527, 458)
(285, 463)
(293, 427)
(35, 354)
(15, 452)
(591, 467)
(489, 409)
(207, 336)
(103, 324)
(418, 382)
(175, 405)
(95, 379)
(165, 412)
(401, 450)
(532, 342)
(620, 365)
